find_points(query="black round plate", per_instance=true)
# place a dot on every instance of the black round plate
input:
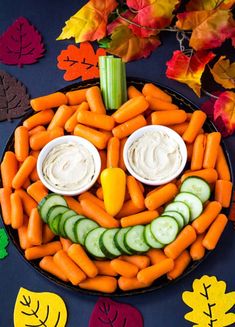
(183, 103)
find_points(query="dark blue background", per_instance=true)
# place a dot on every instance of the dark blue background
(165, 306)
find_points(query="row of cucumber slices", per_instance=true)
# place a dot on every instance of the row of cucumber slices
(109, 243)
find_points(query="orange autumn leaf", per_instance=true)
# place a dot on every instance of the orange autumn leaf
(80, 62)
(224, 108)
(89, 23)
(188, 69)
(224, 73)
(194, 5)
(210, 28)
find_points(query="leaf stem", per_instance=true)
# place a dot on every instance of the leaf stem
(210, 94)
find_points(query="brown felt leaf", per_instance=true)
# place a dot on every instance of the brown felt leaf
(224, 73)
(14, 99)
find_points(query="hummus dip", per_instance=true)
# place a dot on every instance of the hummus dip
(154, 156)
(69, 166)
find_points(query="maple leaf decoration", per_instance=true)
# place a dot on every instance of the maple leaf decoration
(194, 5)
(80, 62)
(89, 23)
(224, 108)
(224, 73)
(210, 303)
(21, 44)
(188, 69)
(3, 243)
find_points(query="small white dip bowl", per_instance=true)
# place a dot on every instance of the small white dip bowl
(150, 129)
(63, 140)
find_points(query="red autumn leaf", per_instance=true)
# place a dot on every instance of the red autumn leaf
(152, 14)
(210, 28)
(194, 5)
(21, 44)
(224, 108)
(188, 69)
(80, 62)
(120, 20)
(109, 313)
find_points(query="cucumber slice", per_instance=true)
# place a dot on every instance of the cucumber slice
(194, 203)
(108, 245)
(49, 201)
(180, 207)
(150, 239)
(134, 239)
(92, 242)
(164, 229)
(196, 186)
(177, 216)
(82, 228)
(119, 240)
(53, 217)
(67, 214)
(69, 227)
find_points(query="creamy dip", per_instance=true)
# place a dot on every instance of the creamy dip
(154, 156)
(68, 166)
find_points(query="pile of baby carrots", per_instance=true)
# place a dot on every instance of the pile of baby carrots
(82, 112)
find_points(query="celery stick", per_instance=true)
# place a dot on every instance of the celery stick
(117, 82)
(103, 79)
(124, 86)
(109, 79)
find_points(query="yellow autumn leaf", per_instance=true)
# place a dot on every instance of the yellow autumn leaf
(224, 73)
(210, 303)
(34, 309)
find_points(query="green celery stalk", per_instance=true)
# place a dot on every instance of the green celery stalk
(124, 86)
(109, 79)
(117, 83)
(103, 79)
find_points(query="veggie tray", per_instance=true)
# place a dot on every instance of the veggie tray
(144, 258)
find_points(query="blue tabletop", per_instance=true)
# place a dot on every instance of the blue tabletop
(163, 307)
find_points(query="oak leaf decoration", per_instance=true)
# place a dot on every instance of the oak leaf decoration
(224, 72)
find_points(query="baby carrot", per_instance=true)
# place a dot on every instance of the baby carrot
(47, 234)
(215, 231)
(39, 140)
(48, 101)
(130, 109)
(154, 91)
(113, 152)
(185, 238)
(24, 171)
(133, 92)
(121, 163)
(105, 284)
(76, 97)
(212, 148)
(23, 235)
(5, 201)
(94, 99)
(26, 183)
(223, 192)
(189, 147)
(198, 152)
(124, 268)
(94, 119)
(93, 211)
(222, 166)
(92, 197)
(35, 224)
(208, 215)
(40, 118)
(158, 104)
(105, 268)
(37, 191)
(63, 113)
(74, 205)
(167, 119)
(156, 256)
(128, 284)
(34, 153)
(141, 218)
(125, 129)
(79, 256)
(9, 167)
(197, 250)
(135, 192)
(180, 264)
(97, 138)
(65, 243)
(99, 193)
(17, 218)
(180, 128)
(161, 196)
(195, 124)
(21, 143)
(72, 121)
(210, 175)
(74, 274)
(27, 201)
(141, 261)
(40, 251)
(103, 158)
(149, 274)
(36, 130)
(47, 263)
(128, 209)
